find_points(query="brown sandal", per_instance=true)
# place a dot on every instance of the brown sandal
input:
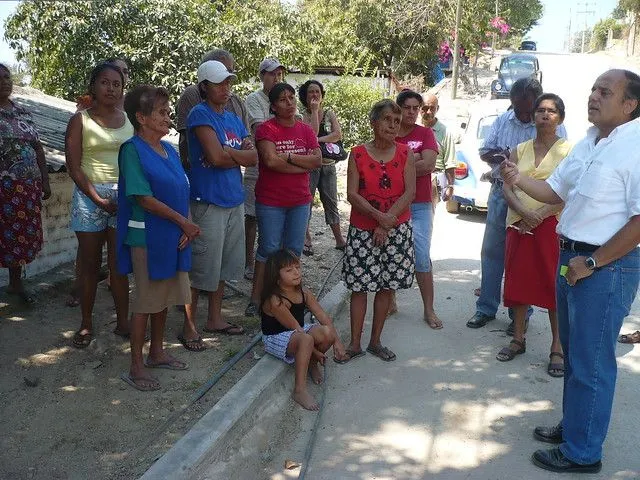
(507, 354)
(630, 338)
(556, 366)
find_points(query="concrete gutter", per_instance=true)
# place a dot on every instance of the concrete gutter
(208, 435)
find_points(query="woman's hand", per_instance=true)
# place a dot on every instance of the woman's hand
(532, 218)
(108, 206)
(387, 220)
(314, 104)
(46, 190)
(380, 236)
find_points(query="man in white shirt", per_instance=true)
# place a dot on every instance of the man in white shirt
(599, 267)
(270, 71)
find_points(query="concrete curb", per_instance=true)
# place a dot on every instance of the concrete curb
(209, 433)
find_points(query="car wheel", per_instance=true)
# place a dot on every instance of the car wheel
(452, 206)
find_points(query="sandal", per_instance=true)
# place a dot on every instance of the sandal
(507, 354)
(434, 322)
(477, 292)
(630, 338)
(383, 353)
(230, 329)
(150, 383)
(195, 345)
(308, 250)
(351, 354)
(82, 340)
(251, 310)
(72, 301)
(556, 369)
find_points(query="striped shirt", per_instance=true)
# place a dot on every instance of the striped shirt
(509, 132)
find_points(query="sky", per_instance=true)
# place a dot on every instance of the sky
(550, 34)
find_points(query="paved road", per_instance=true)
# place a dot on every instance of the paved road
(446, 409)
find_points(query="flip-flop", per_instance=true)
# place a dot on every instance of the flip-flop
(433, 324)
(350, 356)
(383, 353)
(630, 338)
(82, 340)
(72, 301)
(477, 292)
(155, 385)
(173, 364)
(195, 345)
(308, 250)
(226, 330)
(251, 310)
(342, 248)
(557, 366)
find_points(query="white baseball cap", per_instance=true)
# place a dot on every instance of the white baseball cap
(270, 64)
(214, 71)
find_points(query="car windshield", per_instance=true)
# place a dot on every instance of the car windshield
(484, 125)
(517, 66)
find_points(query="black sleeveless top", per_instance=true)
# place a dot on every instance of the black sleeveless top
(271, 325)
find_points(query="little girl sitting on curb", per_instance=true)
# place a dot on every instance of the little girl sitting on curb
(284, 333)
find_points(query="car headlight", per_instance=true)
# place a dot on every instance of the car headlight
(497, 86)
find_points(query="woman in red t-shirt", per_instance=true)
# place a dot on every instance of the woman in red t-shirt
(381, 184)
(287, 151)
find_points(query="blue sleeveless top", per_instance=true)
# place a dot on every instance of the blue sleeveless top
(170, 186)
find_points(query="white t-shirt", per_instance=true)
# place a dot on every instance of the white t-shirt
(600, 185)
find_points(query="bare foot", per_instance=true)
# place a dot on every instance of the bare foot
(306, 401)
(433, 321)
(316, 373)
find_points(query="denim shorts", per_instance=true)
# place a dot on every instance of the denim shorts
(422, 223)
(86, 216)
(280, 227)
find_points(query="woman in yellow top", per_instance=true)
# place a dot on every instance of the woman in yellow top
(532, 248)
(92, 144)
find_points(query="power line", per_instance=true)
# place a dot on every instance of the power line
(585, 12)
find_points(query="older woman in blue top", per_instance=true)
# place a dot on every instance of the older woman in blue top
(153, 230)
(219, 145)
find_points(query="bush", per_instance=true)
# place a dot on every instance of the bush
(351, 99)
(601, 32)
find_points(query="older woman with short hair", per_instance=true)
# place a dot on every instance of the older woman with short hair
(24, 183)
(154, 229)
(381, 184)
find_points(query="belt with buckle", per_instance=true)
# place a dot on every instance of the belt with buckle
(574, 246)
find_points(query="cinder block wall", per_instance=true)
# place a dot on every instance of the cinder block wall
(59, 241)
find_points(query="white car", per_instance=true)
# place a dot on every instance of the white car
(471, 186)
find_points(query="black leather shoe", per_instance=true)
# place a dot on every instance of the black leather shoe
(479, 320)
(554, 461)
(548, 434)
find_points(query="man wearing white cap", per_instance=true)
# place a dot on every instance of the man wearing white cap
(219, 144)
(270, 71)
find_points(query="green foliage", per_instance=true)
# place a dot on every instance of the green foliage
(351, 99)
(629, 5)
(601, 32)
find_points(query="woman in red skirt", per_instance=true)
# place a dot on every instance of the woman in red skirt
(532, 249)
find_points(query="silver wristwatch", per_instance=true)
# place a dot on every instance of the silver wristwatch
(591, 264)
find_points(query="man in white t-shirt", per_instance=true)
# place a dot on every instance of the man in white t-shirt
(270, 71)
(599, 267)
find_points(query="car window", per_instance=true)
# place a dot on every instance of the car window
(511, 66)
(484, 125)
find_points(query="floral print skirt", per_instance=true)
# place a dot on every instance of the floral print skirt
(369, 269)
(20, 221)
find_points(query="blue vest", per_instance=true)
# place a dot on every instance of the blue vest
(170, 186)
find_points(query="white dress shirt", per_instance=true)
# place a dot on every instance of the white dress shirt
(600, 184)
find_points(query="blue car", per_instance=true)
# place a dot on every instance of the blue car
(514, 67)
(471, 186)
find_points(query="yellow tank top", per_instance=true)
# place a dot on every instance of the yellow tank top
(100, 148)
(527, 166)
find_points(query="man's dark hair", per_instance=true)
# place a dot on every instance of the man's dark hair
(143, 99)
(555, 99)
(302, 91)
(276, 91)
(525, 87)
(405, 95)
(632, 91)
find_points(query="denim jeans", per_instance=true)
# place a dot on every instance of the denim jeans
(422, 223)
(590, 315)
(280, 227)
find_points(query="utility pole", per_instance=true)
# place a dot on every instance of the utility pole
(585, 12)
(569, 34)
(495, 36)
(456, 51)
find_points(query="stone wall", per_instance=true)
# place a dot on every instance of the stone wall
(59, 241)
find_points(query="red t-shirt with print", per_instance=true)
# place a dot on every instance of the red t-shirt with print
(278, 189)
(419, 139)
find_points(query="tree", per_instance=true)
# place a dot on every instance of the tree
(629, 5)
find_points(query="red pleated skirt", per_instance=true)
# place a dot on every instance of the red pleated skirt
(530, 264)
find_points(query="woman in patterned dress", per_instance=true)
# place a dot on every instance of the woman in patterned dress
(24, 183)
(381, 184)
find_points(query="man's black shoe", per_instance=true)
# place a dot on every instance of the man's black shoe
(554, 461)
(549, 434)
(479, 320)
